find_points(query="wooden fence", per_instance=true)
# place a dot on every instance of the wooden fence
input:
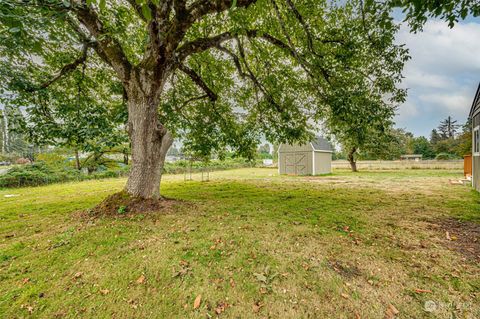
(387, 165)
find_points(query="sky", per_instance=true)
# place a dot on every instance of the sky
(442, 75)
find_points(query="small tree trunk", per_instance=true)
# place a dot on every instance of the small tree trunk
(125, 156)
(150, 142)
(77, 160)
(351, 159)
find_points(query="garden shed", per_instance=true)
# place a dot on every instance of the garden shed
(308, 159)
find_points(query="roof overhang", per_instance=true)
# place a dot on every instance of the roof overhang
(476, 100)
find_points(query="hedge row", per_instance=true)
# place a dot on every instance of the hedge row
(40, 173)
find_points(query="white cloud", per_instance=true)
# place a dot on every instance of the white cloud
(457, 103)
(441, 49)
(416, 77)
(442, 75)
(408, 109)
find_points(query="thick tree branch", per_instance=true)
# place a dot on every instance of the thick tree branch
(202, 44)
(185, 16)
(235, 59)
(164, 10)
(65, 69)
(198, 81)
(85, 38)
(111, 48)
(138, 9)
(201, 8)
(255, 80)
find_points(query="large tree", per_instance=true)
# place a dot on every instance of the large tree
(417, 12)
(215, 71)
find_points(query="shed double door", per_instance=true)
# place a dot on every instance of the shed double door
(296, 163)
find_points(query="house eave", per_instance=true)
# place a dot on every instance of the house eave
(476, 101)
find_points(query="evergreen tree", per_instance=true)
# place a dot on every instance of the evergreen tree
(448, 128)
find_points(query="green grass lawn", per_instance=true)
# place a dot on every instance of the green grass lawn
(251, 244)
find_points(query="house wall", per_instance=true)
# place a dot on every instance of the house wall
(323, 163)
(475, 158)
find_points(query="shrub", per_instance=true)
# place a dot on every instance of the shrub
(51, 159)
(444, 156)
(26, 175)
(8, 157)
(52, 168)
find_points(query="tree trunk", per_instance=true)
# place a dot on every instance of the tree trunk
(150, 142)
(77, 161)
(351, 159)
(125, 156)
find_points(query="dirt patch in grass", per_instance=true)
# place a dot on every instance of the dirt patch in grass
(345, 269)
(123, 205)
(461, 236)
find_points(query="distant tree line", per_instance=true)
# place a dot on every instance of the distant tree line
(449, 140)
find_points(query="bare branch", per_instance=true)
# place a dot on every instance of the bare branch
(198, 81)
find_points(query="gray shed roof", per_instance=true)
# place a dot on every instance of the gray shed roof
(320, 143)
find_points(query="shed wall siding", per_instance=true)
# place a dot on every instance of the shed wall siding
(295, 163)
(323, 163)
(295, 148)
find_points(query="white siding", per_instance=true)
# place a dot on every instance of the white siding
(323, 163)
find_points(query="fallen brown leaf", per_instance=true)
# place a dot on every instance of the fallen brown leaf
(197, 302)
(423, 291)
(28, 308)
(391, 312)
(257, 306)
(232, 283)
(78, 275)
(141, 280)
(25, 280)
(221, 307)
(133, 303)
(344, 295)
(104, 291)
(447, 235)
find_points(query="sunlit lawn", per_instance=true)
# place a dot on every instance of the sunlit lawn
(249, 243)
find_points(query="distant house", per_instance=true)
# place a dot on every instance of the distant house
(475, 118)
(411, 157)
(309, 159)
(267, 162)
